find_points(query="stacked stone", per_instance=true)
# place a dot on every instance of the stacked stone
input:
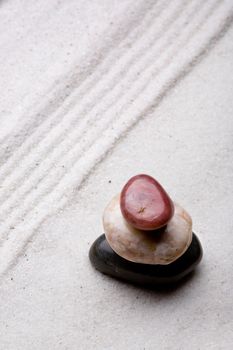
(148, 238)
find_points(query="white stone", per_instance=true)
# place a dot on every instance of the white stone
(146, 247)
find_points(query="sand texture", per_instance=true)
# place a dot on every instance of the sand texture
(92, 93)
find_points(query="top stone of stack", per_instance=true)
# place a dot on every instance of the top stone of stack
(145, 204)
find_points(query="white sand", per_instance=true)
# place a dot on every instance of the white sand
(55, 129)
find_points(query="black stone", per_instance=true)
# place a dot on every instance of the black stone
(104, 259)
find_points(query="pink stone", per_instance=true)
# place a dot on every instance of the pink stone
(145, 204)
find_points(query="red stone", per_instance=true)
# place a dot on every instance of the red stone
(145, 204)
